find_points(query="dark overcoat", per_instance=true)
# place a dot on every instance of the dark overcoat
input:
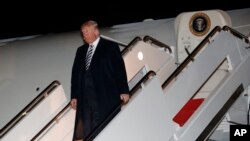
(108, 73)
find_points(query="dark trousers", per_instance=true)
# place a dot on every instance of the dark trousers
(87, 116)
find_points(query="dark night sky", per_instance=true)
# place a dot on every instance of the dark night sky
(25, 19)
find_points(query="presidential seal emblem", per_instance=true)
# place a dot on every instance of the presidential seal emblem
(199, 24)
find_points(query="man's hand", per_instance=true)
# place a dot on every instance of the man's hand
(73, 103)
(125, 98)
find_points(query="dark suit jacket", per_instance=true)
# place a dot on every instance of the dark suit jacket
(108, 72)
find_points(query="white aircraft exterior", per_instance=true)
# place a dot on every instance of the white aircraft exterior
(189, 77)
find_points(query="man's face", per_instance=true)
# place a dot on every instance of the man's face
(89, 34)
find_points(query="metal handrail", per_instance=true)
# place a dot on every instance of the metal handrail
(190, 58)
(51, 121)
(236, 33)
(157, 42)
(130, 45)
(22, 114)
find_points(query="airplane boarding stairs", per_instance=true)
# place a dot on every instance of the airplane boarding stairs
(214, 79)
(60, 116)
(187, 106)
(202, 94)
(212, 84)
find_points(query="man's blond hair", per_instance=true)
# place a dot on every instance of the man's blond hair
(90, 23)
